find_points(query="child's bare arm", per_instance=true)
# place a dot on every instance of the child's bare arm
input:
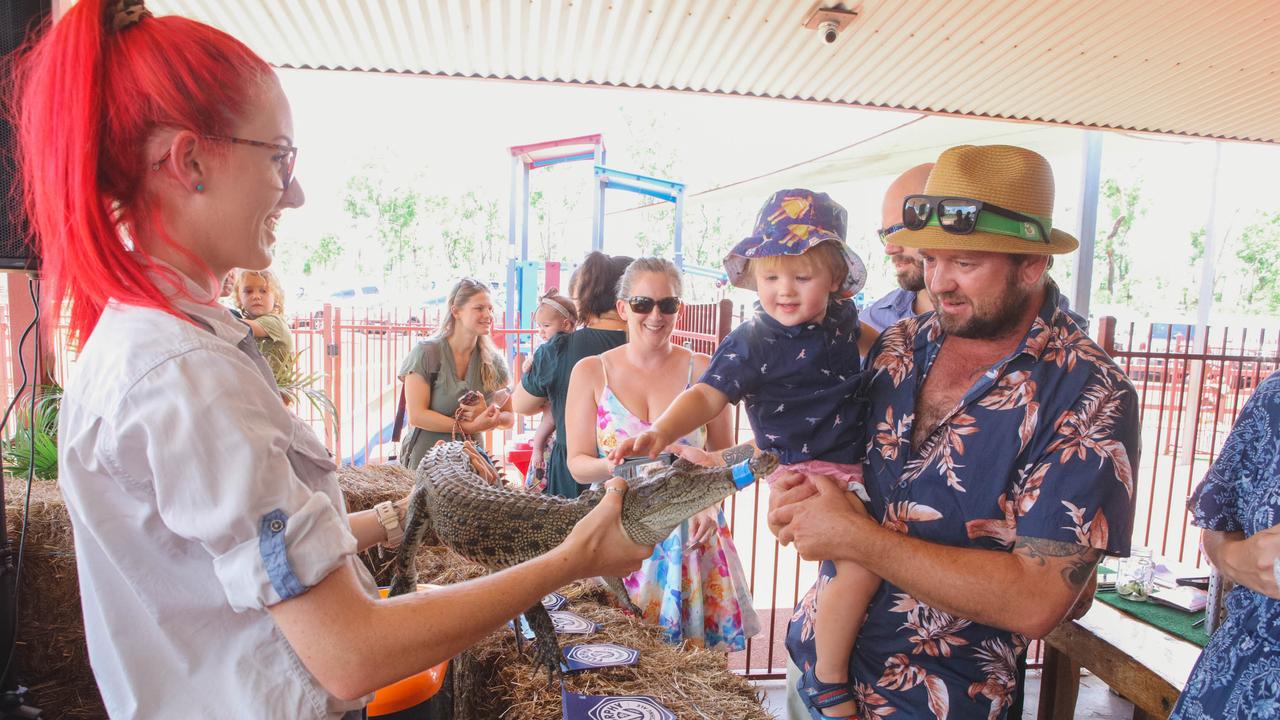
(691, 409)
(546, 427)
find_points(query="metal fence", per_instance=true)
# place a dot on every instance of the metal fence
(1190, 396)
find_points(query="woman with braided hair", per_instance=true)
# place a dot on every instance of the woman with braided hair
(216, 560)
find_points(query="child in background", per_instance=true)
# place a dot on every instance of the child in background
(797, 367)
(555, 314)
(261, 299)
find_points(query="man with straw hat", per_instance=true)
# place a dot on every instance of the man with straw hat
(1002, 447)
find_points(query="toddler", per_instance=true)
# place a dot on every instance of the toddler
(261, 301)
(796, 366)
(554, 315)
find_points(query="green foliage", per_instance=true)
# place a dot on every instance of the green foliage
(299, 386)
(324, 256)
(40, 437)
(1124, 205)
(1258, 251)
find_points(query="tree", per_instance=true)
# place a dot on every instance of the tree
(1258, 251)
(394, 215)
(324, 256)
(1124, 205)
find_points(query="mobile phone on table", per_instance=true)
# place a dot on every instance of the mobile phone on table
(640, 465)
(1201, 582)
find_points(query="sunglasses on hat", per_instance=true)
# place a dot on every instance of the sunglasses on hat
(963, 216)
(644, 305)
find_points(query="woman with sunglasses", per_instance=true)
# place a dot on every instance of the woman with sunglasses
(216, 560)
(693, 586)
(594, 285)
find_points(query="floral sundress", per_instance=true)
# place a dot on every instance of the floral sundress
(697, 595)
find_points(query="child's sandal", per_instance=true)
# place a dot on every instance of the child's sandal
(817, 695)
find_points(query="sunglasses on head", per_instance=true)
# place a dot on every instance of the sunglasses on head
(962, 216)
(644, 305)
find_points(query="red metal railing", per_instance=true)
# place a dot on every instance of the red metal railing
(1189, 400)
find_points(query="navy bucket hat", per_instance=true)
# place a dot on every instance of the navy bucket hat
(793, 222)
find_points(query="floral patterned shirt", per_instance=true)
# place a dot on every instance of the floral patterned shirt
(1238, 674)
(1045, 445)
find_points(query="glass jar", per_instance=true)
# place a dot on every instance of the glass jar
(1136, 578)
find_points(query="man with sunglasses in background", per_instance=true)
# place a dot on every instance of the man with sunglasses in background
(1001, 455)
(910, 298)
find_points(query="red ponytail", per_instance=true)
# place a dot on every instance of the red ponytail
(89, 98)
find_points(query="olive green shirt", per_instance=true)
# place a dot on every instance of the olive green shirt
(277, 347)
(445, 392)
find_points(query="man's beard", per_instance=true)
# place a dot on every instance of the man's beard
(996, 317)
(910, 275)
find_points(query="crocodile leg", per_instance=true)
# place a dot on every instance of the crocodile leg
(615, 586)
(546, 650)
(416, 521)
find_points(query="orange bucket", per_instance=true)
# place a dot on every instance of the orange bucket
(411, 691)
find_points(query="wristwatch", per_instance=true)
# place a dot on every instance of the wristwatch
(390, 519)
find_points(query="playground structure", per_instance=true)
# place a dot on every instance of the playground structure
(523, 273)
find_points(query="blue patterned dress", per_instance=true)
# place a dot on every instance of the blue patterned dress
(1238, 674)
(1043, 445)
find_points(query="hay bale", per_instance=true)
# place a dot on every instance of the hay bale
(52, 655)
(495, 680)
(491, 680)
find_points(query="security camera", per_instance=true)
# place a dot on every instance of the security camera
(828, 30)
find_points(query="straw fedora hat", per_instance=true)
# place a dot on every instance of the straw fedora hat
(1009, 177)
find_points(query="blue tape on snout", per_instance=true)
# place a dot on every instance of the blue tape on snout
(742, 475)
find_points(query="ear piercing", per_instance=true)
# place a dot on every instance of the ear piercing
(199, 187)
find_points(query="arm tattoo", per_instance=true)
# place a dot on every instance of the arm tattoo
(738, 453)
(1078, 560)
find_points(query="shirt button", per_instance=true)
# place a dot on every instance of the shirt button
(276, 526)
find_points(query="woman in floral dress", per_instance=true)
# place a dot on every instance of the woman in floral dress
(693, 585)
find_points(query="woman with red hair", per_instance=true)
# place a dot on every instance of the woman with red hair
(216, 560)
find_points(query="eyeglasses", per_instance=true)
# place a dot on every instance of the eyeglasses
(962, 216)
(644, 305)
(286, 160)
(886, 232)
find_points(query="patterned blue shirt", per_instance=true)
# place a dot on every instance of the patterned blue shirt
(894, 306)
(797, 382)
(1238, 674)
(1044, 445)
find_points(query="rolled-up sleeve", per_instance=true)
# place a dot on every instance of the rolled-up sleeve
(1081, 491)
(233, 473)
(1248, 455)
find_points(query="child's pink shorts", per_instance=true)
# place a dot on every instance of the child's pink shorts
(850, 475)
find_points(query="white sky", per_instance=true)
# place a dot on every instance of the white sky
(450, 136)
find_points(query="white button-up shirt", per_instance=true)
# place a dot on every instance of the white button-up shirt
(197, 500)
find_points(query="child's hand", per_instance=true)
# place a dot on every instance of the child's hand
(650, 442)
(527, 365)
(537, 458)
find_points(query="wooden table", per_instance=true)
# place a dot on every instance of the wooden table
(1144, 664)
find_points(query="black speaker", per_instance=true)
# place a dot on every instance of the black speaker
(18, 18)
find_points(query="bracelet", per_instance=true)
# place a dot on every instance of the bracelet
(390, 520)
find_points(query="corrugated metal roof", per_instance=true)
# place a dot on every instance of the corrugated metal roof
(1209, 69)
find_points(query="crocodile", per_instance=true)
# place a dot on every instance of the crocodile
(454, 504)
